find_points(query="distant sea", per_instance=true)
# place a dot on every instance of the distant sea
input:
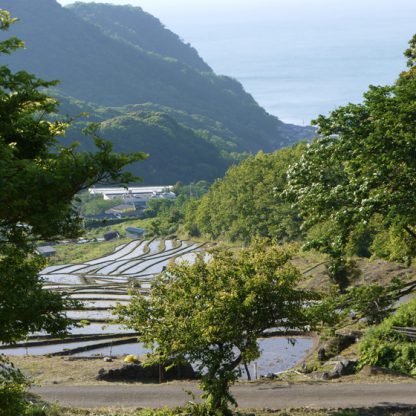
(298, 58)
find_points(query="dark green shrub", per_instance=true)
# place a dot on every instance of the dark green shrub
(385, 347)
(12, 389)
(342, 271)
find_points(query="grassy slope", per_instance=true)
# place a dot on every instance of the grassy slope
(246, 412)
(56, 411)
(372, 271)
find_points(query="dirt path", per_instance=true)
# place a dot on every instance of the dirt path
(260, 396)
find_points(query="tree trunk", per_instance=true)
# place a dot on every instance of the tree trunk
(247, 371)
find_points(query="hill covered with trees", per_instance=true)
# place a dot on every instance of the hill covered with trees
(120, 56)
(247, 202)
(134, 26)
(169, 143)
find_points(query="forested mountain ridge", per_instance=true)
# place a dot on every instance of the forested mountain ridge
(169, 144)
(177, 152)
(119, 56)
(138, 28)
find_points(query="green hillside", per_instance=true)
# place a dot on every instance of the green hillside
(118, 60)
(170, 147)
(176, 152)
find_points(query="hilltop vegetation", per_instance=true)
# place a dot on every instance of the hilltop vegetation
(247, 202)
(170, 145)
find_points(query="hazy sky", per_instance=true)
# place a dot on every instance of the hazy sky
(267, 9)
(190, 18)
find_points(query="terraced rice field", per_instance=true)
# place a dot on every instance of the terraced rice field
(103, 282)
(100, 284)
(108, 278)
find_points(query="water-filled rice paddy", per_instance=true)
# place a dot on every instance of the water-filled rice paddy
(100, 328)
(115, 350)
(46, 349)
(65, 279)
(101, 283)
(277, 354)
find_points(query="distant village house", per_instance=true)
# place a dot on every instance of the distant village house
(111, 235)
(46, 251)
(121, 209)
(134, 232)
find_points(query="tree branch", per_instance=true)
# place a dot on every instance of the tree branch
(410, 231)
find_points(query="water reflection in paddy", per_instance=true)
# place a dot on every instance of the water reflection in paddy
(278, 354)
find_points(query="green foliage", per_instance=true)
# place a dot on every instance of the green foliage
(410, 53)
(169, 215)
(24, 305)
(12, 389)
(211, 313)
(247, 202)
(360, 241)
(38, 180)
(46, 409)
(190, 409)
(384, 347)
(393, 244)
(96, 204)
(158, 207)
(373, 302)
(172, 148)
(362, 168)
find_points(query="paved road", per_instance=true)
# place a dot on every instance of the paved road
(267, 395)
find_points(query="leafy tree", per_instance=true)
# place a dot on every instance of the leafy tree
(38, 181)
(211, 313)
(363, 167)
(373, 302)
(247, 202)
(170, 214)
(370, 303)
(392, 244)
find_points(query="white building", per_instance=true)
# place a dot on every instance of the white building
(137, 195)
